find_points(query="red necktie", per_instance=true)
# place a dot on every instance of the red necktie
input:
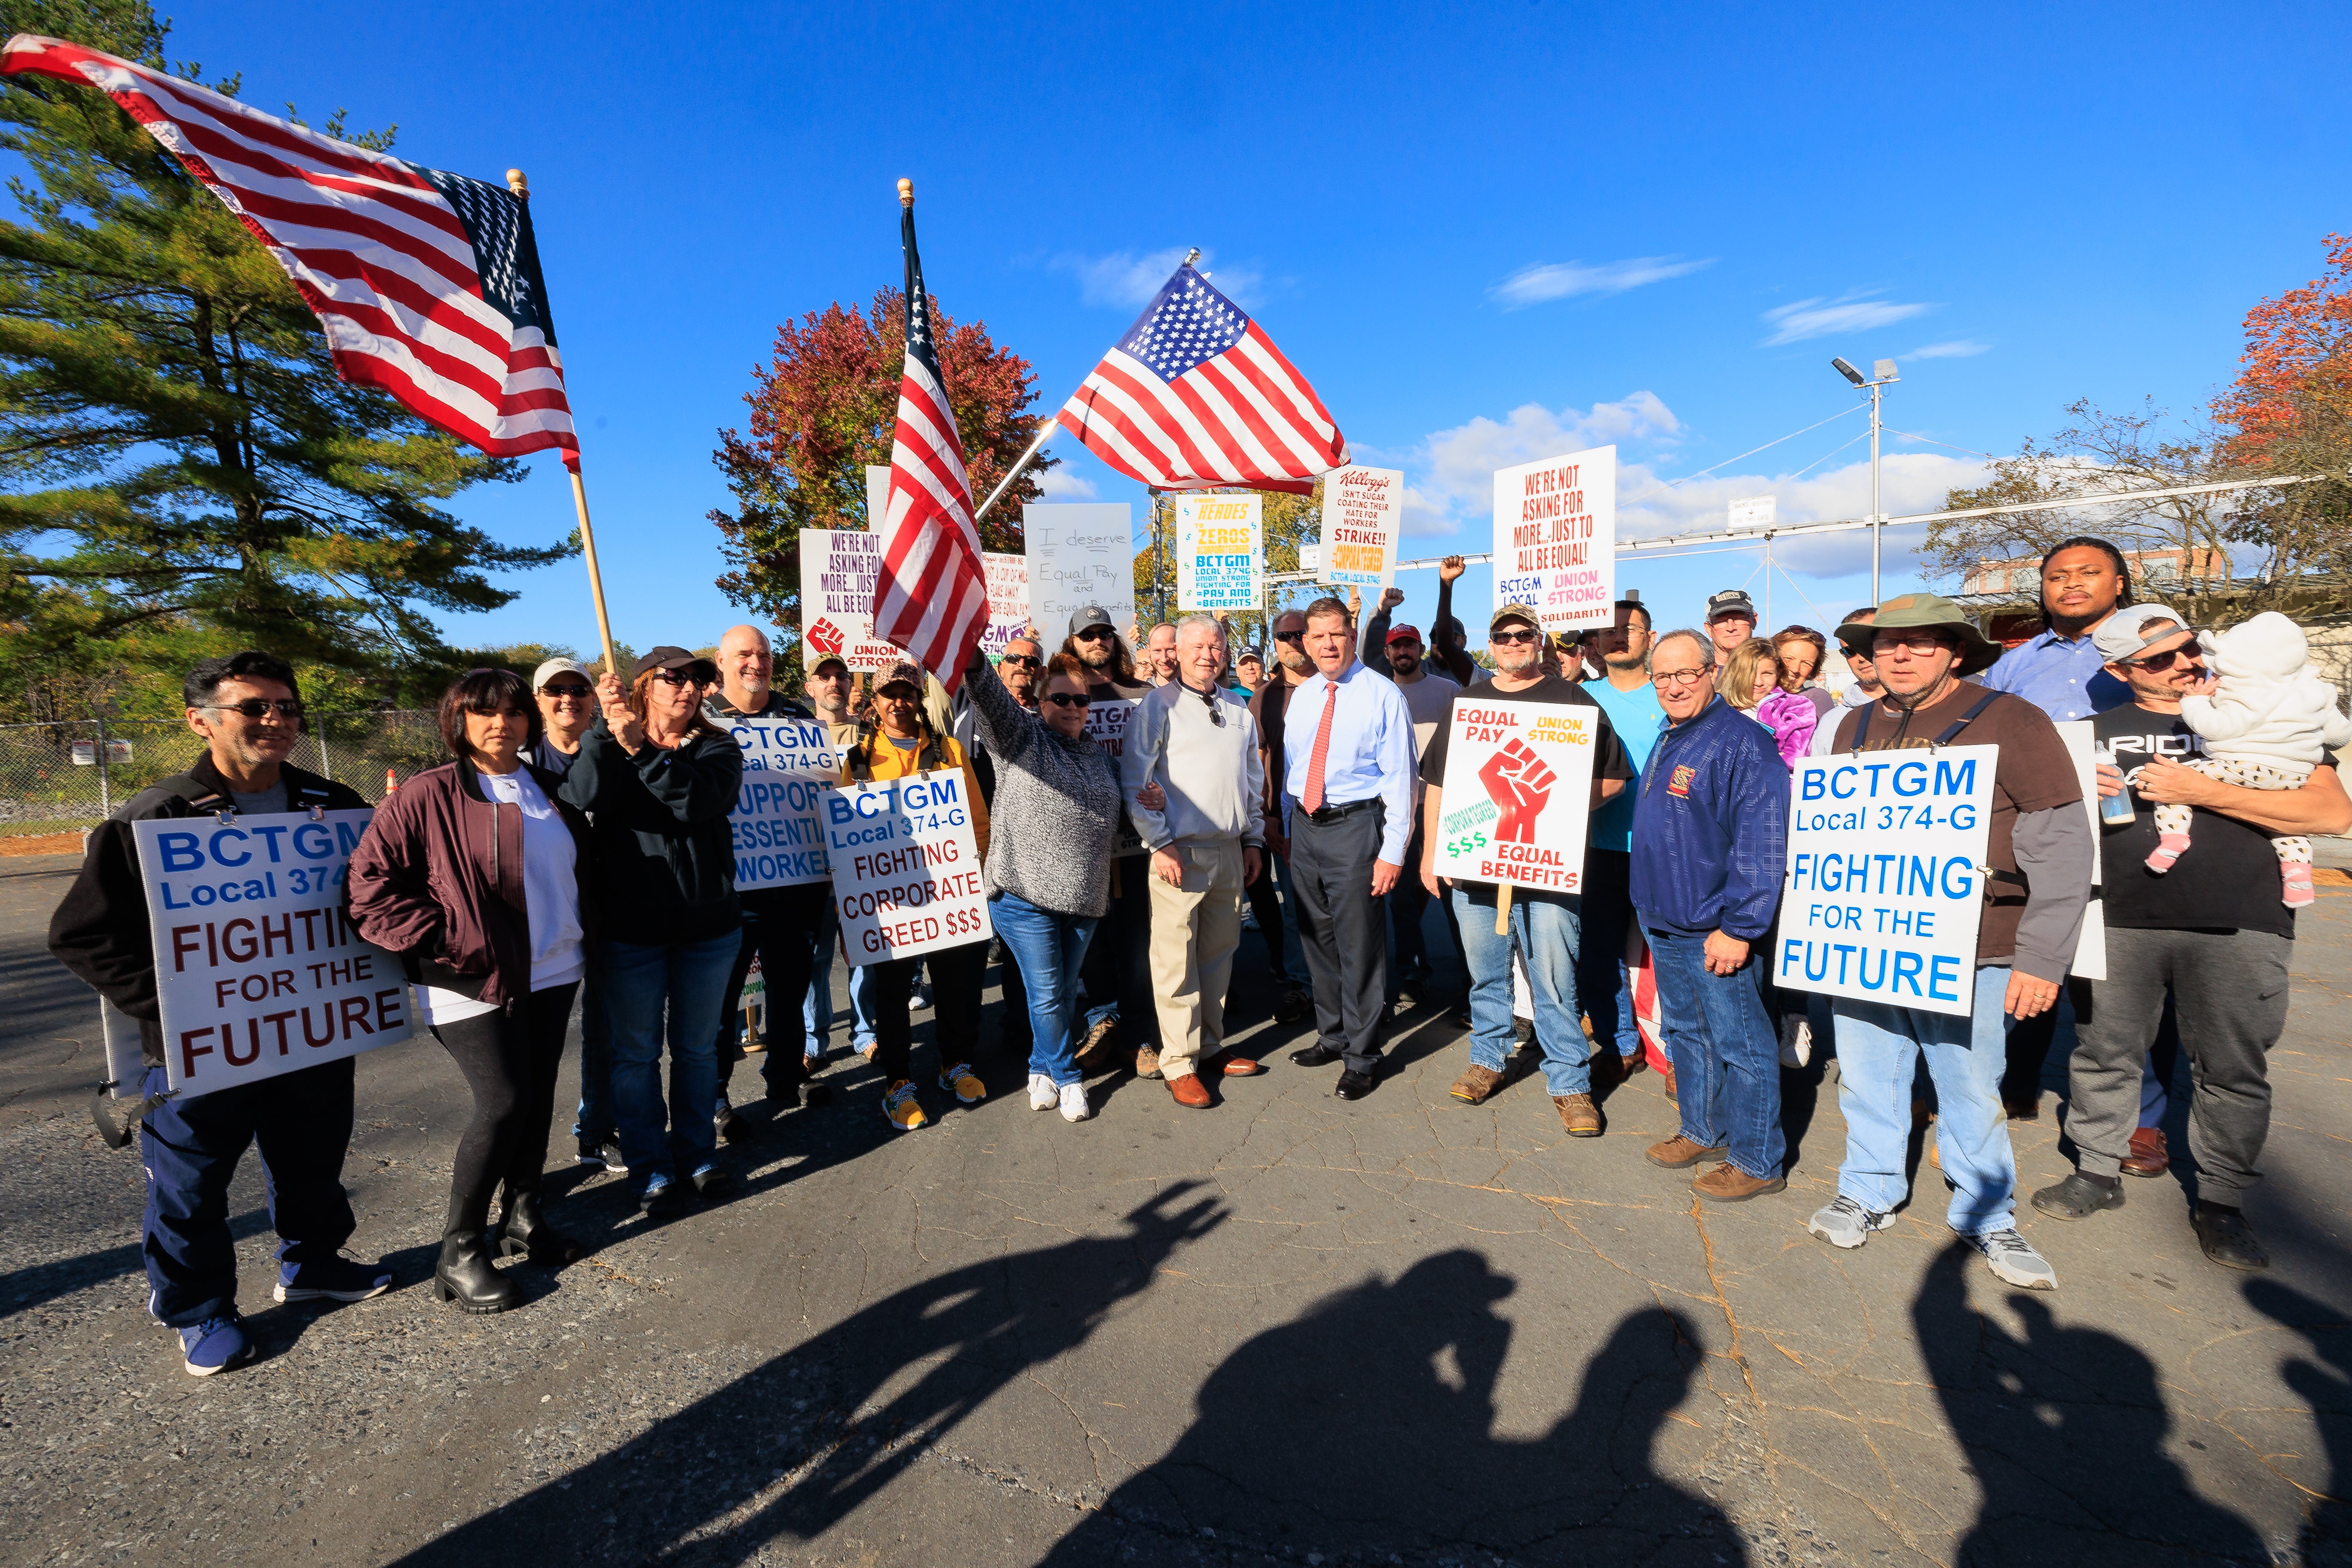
(1311, 798)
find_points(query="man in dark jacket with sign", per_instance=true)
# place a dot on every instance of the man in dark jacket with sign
(1710, 832)
(249, 713)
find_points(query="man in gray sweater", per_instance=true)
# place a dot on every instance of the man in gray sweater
(1196, 742)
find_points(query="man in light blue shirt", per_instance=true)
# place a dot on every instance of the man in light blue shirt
(1348, 772)
(2083, 582)
(1602, 980)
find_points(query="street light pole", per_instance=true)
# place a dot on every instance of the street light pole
(1882, 375)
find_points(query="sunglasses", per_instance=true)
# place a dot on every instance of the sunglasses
(255, 707)
(1023, 660)
(1093, 633)
(1067, 698)
(1520, 635)
(1298, 636)
(674, 677)
(575, 693)
(1217, 709)
(2158, 663)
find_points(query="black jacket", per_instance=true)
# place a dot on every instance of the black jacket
(662, 869)
(101, 930)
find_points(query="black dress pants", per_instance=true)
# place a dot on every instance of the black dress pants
(1343, 928)
(510, 1058)
(955, 977)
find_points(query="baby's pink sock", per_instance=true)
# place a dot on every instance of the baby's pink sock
(2169, 847)
(2297, 874)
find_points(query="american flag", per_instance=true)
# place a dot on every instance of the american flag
(931, 595)
(426, 283)
(1197, 395)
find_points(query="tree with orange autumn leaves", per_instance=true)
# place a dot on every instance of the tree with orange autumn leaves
(824, 408)
(2290, 411)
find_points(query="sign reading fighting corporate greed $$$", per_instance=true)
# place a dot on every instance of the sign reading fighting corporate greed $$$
(1220, 552)
(1362, 509)
(837, 573)
(258, 970)
(1008, 600)
(1517, 793)
(1884, 887)
(1556, 538)
(788, 768)
(1079, 554)
(906, 865)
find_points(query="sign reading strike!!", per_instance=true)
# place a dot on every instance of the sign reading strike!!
(258, 970)
(838, 569)
(1884, 889)
(1556, 538)
(788, 767)
(1517, 793)
(1220, 552)
(1362, 510)
(906, 865)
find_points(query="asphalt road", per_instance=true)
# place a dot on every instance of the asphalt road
(1289, 1330)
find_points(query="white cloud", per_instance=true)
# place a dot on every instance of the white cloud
(1910, 482)
(1958, 348)
(1458, 465)
(1060, 484)
(1560, 279)
(1125, 279)
(1820, 318)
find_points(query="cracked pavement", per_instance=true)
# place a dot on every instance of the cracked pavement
(1290, 1329)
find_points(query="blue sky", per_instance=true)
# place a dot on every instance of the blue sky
(1486, 233)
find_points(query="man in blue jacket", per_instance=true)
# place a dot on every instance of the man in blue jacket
(1710, 833)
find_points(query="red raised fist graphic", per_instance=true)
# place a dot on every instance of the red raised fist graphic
(825, 637)
(1520, 783)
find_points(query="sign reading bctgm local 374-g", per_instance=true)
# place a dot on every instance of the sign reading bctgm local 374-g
(906, 865)
(257, 969)
(1887, 856)
(789, 767)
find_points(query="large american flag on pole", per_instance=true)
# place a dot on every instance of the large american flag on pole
(1197, 395)
(426, 283)
(931, 595)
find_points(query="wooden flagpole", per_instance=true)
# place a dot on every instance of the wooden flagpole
(522, 188)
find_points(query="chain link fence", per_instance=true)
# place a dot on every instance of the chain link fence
(63, 777)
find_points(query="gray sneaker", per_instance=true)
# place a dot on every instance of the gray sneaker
(1846, 1222)
(2014, 1261)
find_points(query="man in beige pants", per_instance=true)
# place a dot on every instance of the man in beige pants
(1197, 742)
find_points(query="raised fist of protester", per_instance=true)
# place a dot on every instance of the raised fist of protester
(1520, 783)
(1391, 598)
(1450, 568)
(626, 727)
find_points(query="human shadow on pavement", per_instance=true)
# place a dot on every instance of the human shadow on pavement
(2324, 1383)
(1364, 1431)
(806, 1438)
(2065, 1429)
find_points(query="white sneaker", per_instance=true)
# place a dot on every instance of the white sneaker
(2014, 1261)
(1074, 1103)
(1041, 1092)
(1796, 1042)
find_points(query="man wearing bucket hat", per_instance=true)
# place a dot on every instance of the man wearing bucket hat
(2039, 850)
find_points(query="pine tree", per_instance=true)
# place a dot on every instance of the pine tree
(180, 469)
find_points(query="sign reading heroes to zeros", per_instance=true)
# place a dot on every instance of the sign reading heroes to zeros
(1362, 510)
(1517, 793)
(1556, 538)
(1220, 552)
(906, 865)
(788, 766)
(1884, 894)
(258, 970)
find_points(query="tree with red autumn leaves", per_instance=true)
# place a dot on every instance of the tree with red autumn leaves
(824, 408)
(2290, 411)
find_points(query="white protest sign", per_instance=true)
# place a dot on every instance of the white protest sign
(1556, 538)
(1008, 599)
(1752, 512)
(1107, 721)
(906, 865)
(1220, 552)
(1310, 558)
(1518, 793)
(1883, 893)
(878, 495)
(1079, 554)
(837, 573)
(1362, 510)
(788, 766)
(258, 969)
(2091, 947)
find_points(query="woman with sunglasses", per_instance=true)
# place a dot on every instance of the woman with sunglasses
(470, 872)
(1047, 869)
(659, 781)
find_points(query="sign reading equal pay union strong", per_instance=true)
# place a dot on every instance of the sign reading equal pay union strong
(1517, 793)
(1885, 882)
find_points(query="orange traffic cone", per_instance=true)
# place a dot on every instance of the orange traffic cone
(391, 782)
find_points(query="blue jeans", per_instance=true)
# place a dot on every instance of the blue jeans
(594, 1123)
(1878, 1050)
(1602, 980)
(1049, 948)
(816, 1007)
(1544, 929)
(1726, 1051)
(861, 1006)
(684, 984)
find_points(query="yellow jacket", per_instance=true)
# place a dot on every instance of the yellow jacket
(887, 760)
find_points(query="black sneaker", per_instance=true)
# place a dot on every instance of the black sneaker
(2227, 1238)
(661, 1200)
(603, 1153)
(715, 1184)
(1292, 1006)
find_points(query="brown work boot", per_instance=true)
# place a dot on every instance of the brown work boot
(1728, 1183)
(1147, 1061)
(1189, 1091)
(1476, 1084)
(1679, 1153)
(2149, 1157)
(1577, 1114)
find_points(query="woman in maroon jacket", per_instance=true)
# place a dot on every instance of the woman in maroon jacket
(471, 873)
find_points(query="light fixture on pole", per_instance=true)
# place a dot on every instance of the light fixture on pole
(1882, 375)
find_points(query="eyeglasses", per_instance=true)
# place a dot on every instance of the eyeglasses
(1093, 633)
(1067, 698)
(255, 707)
(1023, 660)
(567, 693)
(1920, 643)
(1518, 635)
(1678, 676)
(1298, 636)
(2158, 663)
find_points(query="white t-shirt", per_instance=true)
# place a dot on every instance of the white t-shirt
(550, 890)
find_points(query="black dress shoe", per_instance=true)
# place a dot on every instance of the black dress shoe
(1314, 1055)
(1354, 1085)
(715, 1184)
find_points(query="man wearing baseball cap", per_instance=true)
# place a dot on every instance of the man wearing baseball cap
(1730, 621)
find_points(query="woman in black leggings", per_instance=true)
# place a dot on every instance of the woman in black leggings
(470, 872)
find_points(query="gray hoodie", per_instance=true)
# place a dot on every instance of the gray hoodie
(1056, 807)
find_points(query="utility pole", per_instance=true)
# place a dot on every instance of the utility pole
(1882, 375)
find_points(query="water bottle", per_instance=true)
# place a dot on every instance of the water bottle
(2114, 809)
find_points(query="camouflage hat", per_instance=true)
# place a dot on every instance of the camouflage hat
(904, 673)
(1527, 613)
(1907, 612)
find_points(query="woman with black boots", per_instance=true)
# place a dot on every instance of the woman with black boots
(470, 872)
